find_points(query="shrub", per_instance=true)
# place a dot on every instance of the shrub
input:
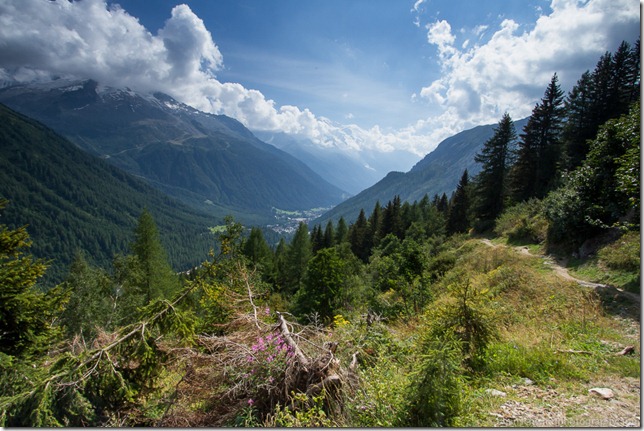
(433, 398)
(523, 222)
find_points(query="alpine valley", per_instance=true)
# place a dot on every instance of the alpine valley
(211, 162)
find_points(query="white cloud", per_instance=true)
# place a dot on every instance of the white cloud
(509, 71)
(440, 33)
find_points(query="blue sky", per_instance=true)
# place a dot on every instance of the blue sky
(378, 75)
(357, 60)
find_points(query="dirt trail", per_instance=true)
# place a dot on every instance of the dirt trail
(559, 269)
(534, 406)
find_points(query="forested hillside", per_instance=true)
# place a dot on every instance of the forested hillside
(210, 162)
(72, 201)
(437, 173)
(514, 302)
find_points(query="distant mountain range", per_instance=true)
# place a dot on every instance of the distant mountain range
(352, 171)
(73, 201)
(211, 162)
(437, 173)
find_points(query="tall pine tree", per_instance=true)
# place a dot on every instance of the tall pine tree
(539, 149)
(490, 183)
(458, 220)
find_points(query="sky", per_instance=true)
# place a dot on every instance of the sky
(377, 75)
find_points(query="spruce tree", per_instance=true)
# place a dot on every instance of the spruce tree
(458, 220)
(490, 183)
(539, 149)
(392, 221)
(329, 235)
(341, 232)
(256, 249)
(375, 227)
(25, 313)
(358, 237)
(92, 300)
(159, 280)
(317, 239)
(297, 258)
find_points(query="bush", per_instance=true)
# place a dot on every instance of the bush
(523, 222)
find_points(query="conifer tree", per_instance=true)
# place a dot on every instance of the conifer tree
(298, 256)
(458, 220)
(92, 301)
(358, 237)
(158, 278)
(317, 239)
(256, 249)
(490, 183)
(605, 93)
(24, 311)
(392, 221)
(341, 232)
(329, 235)
(539, 148)
(375, 227)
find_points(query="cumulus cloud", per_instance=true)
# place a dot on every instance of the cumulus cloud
(479, 81)
(89, 39)
(510, 71)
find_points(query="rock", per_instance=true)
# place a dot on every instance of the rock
(527, 381)
(495, 393)
(605, 393)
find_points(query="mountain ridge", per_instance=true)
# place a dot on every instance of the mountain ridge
(437, 173)
(72, 200)
(199, 158)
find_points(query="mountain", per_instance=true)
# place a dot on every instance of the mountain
(73, 201)
(437, 173)
(209, 161)
(333, 163)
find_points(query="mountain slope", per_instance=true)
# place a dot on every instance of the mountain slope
(200, 158)
(73, 201)
(437, 173)
(365, 167)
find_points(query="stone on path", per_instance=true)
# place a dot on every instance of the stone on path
(605, 393)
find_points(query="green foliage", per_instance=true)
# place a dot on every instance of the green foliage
(433, 397)
(297, 258)
(523, 223)
(25, 312)
(464, 316)
(92, 300)
(322, 290)
(490, 183)
(590, 199)
(87, 388)
(159, 281)
(303, 412)
(458, 215)
(538, 363)
(623, 254)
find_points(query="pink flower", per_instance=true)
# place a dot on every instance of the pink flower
(251, 402)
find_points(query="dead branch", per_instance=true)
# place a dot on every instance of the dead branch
(304, 361)
(626, 351)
